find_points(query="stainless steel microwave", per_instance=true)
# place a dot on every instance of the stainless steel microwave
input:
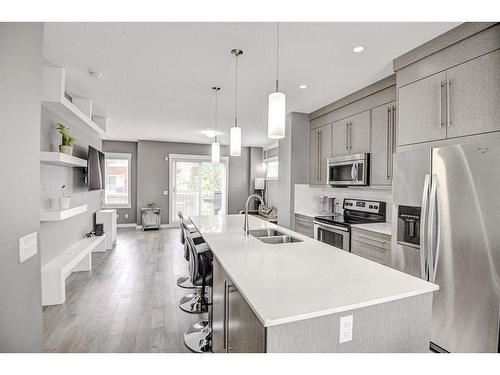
(350, 170)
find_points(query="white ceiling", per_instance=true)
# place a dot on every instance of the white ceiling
(157, 77)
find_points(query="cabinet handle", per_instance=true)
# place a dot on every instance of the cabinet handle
(388, 140)
(319, 157)
(320, 152)
(393, 138)
(350, 135)
(346, 135)
(383, 242)
(448, 85)
(226, 316)
(442, 106)
(393, 129)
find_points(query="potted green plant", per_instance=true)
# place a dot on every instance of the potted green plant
(66, 146)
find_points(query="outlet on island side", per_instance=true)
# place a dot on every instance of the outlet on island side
(345, 331)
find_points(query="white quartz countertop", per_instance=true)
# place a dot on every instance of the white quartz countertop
(302, 280)
(383, 228)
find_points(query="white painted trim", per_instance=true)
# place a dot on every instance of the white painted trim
(170, 157)
(119, 156)
(126, 225)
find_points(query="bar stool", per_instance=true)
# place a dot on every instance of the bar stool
(184, 281)
(198, 337)
(193, 302)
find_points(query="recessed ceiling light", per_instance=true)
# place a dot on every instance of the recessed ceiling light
(358, 49)
(303, 86)
(210, 133)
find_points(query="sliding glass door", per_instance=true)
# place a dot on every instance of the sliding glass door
(197, 186)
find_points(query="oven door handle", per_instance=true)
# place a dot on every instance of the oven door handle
(330, 227)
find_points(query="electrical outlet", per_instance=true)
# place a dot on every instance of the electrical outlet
(345, 331)
(117, 216)
(126, 216)
(165, 192)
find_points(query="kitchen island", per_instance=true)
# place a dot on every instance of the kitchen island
(308, 296)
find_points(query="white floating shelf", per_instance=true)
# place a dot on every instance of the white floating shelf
(53, 100)
(59, 215)
(58, 158)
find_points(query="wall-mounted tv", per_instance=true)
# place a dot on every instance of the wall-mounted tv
(95, 169)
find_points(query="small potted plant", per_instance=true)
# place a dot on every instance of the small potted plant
(64, 200)
(66, 146)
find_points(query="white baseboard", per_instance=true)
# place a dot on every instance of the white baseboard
(126, 225)
(162, 226)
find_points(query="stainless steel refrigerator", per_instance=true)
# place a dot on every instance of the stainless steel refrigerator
(457, 191)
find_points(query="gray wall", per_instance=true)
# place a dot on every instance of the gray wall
(57, 236)
(127, 148)
(293, 165)
(20, 90)
(153, 174)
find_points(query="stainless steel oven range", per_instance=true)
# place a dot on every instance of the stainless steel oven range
(335, 229)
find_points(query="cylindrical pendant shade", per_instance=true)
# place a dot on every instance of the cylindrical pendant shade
(235, 141)
(276, 115)
(215, 152)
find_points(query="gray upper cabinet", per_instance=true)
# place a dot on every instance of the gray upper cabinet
(359, 133)
(351, 135)
(321, 150)
(421, 118)
(474, 96)
(339, 143)
(382, 144)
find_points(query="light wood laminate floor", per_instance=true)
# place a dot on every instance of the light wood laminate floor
(127, 303)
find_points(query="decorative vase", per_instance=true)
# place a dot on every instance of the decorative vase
(66, 149)
(64, 203)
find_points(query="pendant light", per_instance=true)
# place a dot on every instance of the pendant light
(235, 135)
(277, 102)
(215, 143)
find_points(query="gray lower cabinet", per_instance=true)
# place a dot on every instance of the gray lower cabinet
(236, 328)
(304, 225)
(382, 144)
(320, 151)
(371, 245)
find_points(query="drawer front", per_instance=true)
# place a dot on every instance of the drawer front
(304, 225)
(371, 252)
(371, 238)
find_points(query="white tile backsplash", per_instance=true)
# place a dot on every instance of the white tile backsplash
(307, 197)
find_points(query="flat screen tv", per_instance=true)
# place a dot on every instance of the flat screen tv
(95, 169)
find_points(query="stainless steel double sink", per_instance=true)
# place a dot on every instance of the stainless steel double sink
(273, 236)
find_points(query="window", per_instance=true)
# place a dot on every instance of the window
(197, 186)
(118, 179)
(271, 169)
(270, 162)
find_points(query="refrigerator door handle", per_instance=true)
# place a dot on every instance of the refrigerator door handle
(423, 227)
(432, 228)
(435, 238)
